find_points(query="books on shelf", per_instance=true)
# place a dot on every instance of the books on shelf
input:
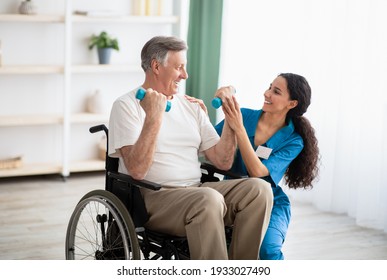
(98, 13)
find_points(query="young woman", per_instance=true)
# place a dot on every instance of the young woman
(273, 143)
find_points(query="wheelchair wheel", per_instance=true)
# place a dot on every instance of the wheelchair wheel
(101, 228)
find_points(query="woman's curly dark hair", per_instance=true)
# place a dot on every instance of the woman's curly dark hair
(304, 169)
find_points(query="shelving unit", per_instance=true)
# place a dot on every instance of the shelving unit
(66, 124)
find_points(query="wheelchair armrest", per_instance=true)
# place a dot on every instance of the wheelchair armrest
(139, 183)
(213, 170)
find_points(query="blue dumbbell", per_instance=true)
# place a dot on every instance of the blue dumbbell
(141, 93)
(217, 102)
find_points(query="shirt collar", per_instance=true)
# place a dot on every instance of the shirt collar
(281, 135)
(278, 137)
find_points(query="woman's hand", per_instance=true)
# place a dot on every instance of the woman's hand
(198, 101)
(233, 114)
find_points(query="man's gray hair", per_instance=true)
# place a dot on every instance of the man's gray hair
(158, 48)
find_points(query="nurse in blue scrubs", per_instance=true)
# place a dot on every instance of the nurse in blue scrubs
(273, 143)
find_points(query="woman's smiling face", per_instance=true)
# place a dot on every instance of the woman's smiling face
(277, 97)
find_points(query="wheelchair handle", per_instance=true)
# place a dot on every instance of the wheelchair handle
(98, 128)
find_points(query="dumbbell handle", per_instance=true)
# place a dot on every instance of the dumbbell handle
(141, 93)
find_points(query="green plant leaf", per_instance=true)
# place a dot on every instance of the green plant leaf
(103, 40)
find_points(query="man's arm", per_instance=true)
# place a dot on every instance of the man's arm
(222, 154)
(138, 158)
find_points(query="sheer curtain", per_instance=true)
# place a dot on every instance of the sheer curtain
(341, 48)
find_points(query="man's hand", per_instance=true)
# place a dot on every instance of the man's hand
(153, 103)
(225, 93)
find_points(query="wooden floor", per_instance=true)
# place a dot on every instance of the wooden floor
(34, 212)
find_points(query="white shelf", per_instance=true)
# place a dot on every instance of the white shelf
(32, 169)
(31, 18)
(33, 120)
(30, 69)
(30, 120)
(76, 69)
(125, 19)
(88, 19)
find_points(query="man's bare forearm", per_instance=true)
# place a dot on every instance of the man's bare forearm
(139, 157)
(225, 149)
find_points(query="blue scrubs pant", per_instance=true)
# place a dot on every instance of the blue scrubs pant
(271, 248)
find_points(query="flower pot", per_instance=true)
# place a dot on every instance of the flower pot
(27, 8)
(104, 55)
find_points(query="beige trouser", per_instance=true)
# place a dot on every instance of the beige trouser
(201, 213)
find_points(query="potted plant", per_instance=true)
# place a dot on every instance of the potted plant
(104, 43)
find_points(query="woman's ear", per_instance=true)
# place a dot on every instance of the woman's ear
(293, 104)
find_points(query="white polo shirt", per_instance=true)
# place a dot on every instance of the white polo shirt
(185, 132)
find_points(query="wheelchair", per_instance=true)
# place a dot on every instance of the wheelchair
(109, 224)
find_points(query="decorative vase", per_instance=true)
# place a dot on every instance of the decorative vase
(95, 103)
(27, 7)
(104, 55)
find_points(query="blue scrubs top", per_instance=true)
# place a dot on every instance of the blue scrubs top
(286, 144)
